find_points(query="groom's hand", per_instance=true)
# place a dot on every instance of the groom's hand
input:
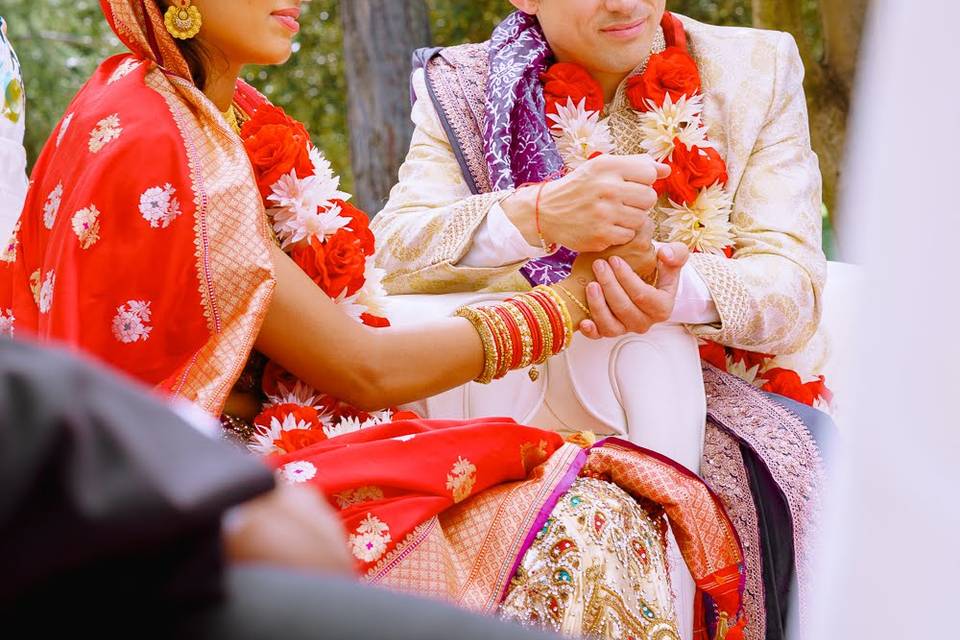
(602, 203)
(621, 302)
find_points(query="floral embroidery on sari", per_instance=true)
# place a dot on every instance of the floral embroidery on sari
(45, 294)
(106, 131)
(63, 127)
(8, 251)
(461, 479)
(130, 323)
(52, 206)
(371, 539)
(351, 497)
(86, 224)
(126, 68)
(6, 323)
(159, 207)
(297, 472)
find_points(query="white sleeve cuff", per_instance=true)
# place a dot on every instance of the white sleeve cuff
(498, 243)
(694, 303)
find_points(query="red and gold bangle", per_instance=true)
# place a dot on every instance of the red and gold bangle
(516, 343)
(548, 326)
(552, 315)
(536, 329)
(561, 307)
(526, 333)
(484, 329)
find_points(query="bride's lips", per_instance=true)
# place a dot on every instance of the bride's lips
(625, 31)
(288, 18)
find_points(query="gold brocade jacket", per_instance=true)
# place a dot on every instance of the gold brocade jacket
(768, 296)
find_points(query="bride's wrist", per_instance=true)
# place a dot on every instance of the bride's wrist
(573, 291)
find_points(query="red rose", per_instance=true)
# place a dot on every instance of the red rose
(335, 265)
(297, 439)
(276, 144)
(693, 169)
(566, 80)
(359, 225)
(374, 321)
(788, 383)
(672, 71)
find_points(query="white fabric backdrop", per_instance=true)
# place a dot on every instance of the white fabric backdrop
(889, 560)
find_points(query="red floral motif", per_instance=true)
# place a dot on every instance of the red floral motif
(672, 72)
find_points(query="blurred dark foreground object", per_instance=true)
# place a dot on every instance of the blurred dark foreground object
(110, 519)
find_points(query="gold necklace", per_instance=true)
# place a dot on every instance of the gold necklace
(231, 117)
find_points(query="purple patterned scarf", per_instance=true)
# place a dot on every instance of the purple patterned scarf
(517, 142)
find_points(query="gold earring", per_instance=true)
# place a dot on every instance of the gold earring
(183, 20)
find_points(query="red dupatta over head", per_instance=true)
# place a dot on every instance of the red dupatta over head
(143, 240)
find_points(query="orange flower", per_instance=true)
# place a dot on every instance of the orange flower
(300, 413)
(788, 383)
(672, 72)
(297, 439)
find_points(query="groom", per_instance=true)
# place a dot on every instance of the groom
(464, 216)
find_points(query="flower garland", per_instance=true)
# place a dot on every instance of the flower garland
(331, 241)
(695, 204)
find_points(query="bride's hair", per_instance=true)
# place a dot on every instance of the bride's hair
(197, 59)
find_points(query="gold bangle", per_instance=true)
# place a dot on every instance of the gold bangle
(564, 313)
(546, 329)
(502, 336)
(490, 355)
(570, 295)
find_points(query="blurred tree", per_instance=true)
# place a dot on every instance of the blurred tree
(382, 34)
(828, 35)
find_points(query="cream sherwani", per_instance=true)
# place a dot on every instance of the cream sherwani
(768, 297)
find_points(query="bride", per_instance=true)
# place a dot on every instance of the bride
(184, 230)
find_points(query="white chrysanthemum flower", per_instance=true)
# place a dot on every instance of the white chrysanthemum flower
(751, 375)
(579, 133)
(377, 417)
(345, 426)
(351, 305)
(263, 437)
(663, 124)
(373, 295)
(301, 394)
(703, 225)
(304, 209)
(299, 471)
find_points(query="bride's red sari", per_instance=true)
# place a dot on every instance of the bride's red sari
(144, 243)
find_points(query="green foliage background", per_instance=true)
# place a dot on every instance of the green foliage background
(61, 42)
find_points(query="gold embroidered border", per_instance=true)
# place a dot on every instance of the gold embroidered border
(730, 294)
(234, 268)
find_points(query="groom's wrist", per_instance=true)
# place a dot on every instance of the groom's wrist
(520, 209)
